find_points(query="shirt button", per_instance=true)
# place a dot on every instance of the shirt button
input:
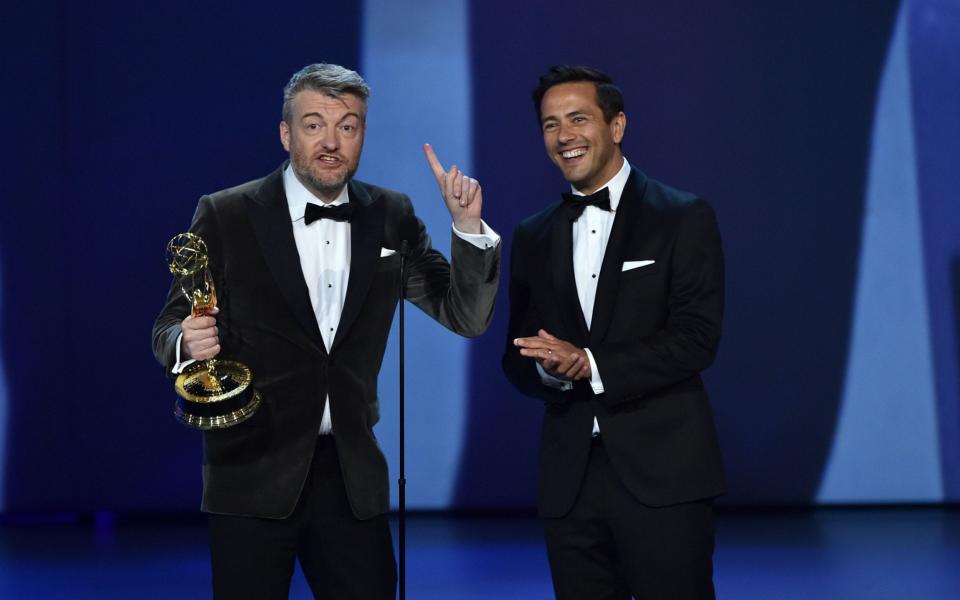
(593, 231)
(328, 242)
(331, 329)
(329, 285)
(594, 276)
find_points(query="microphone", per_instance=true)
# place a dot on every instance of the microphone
(408, 229)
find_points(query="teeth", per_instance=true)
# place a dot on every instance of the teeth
(574, 153)
(328, 159)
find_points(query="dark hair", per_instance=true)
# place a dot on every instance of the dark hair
(609, 96)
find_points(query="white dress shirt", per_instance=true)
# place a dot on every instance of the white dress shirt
(324, 249)
(590, 234)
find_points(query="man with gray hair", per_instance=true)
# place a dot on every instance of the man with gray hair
(307, 267)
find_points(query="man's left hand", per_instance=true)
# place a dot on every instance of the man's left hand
(559, 358)
(461, 194)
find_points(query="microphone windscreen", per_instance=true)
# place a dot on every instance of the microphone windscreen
(408, 230)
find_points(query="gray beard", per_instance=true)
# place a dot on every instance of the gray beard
(321, 189)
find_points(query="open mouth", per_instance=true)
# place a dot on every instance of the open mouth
(328, 160)
(573, 154)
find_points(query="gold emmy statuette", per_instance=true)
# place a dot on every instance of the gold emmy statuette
(214, 394)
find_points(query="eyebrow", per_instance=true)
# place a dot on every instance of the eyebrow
(572, 113)
(342, 119)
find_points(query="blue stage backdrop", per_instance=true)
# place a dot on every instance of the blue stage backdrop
(824, 133)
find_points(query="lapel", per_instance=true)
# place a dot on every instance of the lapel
(270, 219)
(564, 282)
(366, 231)
(624, 225)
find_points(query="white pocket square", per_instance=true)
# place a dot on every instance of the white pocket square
(385, 252)
(636, 264)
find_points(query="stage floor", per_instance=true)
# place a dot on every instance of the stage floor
(828, 554)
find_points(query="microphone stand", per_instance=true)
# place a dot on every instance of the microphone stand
(402, 481)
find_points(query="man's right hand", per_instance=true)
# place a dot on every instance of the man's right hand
(559, 358)
(200, 337)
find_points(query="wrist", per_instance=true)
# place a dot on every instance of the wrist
(473, 226)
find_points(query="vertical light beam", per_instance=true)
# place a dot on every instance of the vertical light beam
(886, 448)
(415, 56)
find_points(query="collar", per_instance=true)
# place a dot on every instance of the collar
(616, 185)
(298, 195)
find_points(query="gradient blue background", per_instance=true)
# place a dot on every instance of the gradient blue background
(824, 133)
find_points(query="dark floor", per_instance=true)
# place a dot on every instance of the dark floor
(911, 554)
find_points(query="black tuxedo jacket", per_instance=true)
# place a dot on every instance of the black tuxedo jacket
(258, 468)
(654, 329)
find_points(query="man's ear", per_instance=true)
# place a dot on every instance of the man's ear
(619, 127)
(285, 135)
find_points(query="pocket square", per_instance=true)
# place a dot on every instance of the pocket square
(636, 264)
(385, 252)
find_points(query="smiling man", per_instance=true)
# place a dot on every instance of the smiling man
(616, 299)
(307, 272)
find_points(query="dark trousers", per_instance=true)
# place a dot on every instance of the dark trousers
(610, 546)
(341, 556)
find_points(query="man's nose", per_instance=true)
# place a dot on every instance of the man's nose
(564, 134)
(329, 139)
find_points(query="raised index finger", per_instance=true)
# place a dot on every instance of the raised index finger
(435, 165)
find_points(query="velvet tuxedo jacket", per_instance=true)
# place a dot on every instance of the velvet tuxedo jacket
(258, 468)
(654, 329)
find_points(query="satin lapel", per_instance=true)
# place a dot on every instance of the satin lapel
(564, 282)
(366, 231)
(270, 218)
(624, 225)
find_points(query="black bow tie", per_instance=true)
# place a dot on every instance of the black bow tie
(315, 212)
(574, 205)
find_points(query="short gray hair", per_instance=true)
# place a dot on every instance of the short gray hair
(329, 80)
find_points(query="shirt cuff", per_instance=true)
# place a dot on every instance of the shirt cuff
(487, 238)
(595, 381)
(180, 366)
(552, 382)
